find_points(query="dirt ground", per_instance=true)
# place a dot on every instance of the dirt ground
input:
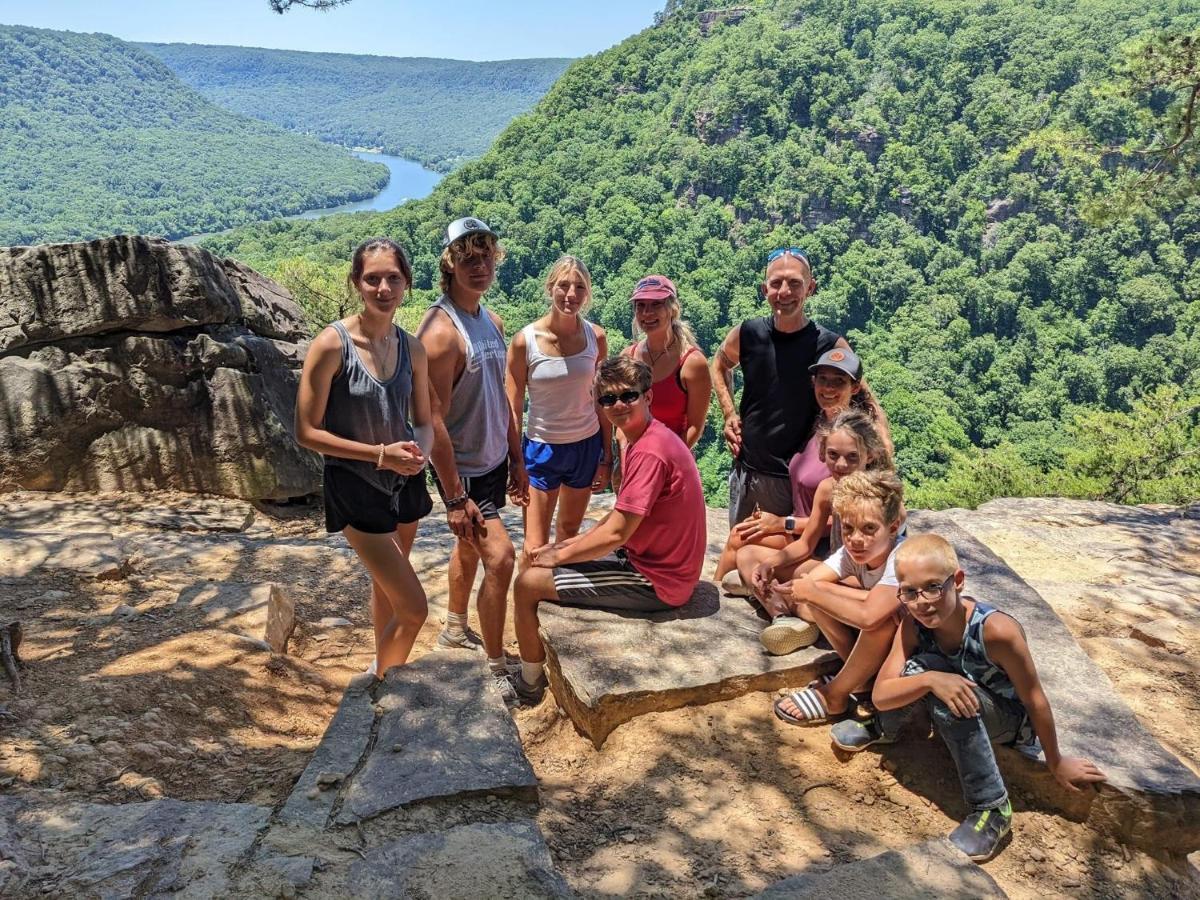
(719, 800)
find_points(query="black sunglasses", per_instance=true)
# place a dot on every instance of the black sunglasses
(625, 397)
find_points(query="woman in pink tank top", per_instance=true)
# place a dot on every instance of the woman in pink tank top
(681, 382)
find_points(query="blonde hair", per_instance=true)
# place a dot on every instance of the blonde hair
(871, 444)
(932, 547)
(859, 488)
(471, 245)
(567, 263)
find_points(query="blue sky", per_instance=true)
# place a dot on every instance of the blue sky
(501, 29)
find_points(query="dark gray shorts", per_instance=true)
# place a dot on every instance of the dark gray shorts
(772, 493)
(608, 583)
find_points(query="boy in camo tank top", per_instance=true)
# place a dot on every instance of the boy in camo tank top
(971, 665)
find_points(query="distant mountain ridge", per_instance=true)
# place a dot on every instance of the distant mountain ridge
(97, 136)
(438, 112)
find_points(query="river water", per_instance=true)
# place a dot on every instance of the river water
(409, 181)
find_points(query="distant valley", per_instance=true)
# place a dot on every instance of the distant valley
(100, 136)
(438, 112)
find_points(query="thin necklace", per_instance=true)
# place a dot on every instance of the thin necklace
(381, 365)
(654, 359)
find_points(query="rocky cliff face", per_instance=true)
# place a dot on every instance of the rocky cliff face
(131, 363)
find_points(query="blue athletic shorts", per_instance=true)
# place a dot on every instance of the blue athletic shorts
(552, 465)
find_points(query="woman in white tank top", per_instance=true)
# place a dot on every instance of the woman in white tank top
(567, 444)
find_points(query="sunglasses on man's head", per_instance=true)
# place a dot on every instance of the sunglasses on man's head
(788, 251)
(625, 397)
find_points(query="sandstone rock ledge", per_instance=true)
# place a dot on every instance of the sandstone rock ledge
(131, 363)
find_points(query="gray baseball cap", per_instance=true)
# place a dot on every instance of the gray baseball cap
(460, 228)
(842, 359)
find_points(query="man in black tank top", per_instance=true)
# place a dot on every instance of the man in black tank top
(778, 407)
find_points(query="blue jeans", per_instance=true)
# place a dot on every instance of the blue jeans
(968, 739)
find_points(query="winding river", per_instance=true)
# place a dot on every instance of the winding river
(408, 181)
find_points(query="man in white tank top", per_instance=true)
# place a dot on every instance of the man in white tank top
(477, 450)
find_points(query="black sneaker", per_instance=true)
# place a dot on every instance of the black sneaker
(980, 834)
(528, 694)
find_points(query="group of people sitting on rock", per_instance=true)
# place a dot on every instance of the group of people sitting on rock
(816, 509)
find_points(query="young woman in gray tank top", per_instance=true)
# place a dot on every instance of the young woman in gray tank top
(364, 404)
(566, 443)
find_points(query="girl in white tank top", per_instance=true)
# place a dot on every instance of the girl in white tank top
(567, 443)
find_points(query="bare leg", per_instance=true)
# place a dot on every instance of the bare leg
(573, 503)
(863, 662)
(533, 586)
(538, 516)
(381, 611)
(748, 558)
(401, 592)
(406, 534)
(496, 551)
(460, 574)
(841, 636)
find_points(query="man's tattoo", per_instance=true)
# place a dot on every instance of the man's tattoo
(725, 358)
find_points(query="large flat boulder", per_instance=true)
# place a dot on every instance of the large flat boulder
(1150, 799)
(433, 729)
(163, 848)
(607, 667)
(442, 730)
(932, 869)
(506, 859)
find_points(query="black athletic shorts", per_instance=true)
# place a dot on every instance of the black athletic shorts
(489, 490)
(351, 501)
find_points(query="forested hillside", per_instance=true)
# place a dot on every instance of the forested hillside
(97, 136)
(438, 112)
(935, 158)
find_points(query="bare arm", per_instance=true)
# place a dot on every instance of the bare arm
(727, 359)
(604, 470)
(697, 381)
(420, 406)
(815, 527)
(444, 359)
(892, 691)
(1008, 649)
(321, 364)
(610, 533)
(514, 380)
(858, 608)
(518, 478)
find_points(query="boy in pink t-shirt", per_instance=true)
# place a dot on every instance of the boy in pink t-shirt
(646, 554)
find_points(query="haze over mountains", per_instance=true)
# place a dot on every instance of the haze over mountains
(915, 149)
(439, 112)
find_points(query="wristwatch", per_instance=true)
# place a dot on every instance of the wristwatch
(789, 524)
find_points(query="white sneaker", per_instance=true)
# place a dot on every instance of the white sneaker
(787, 634)
(468, 640)
(733, 585)
(508, 693)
